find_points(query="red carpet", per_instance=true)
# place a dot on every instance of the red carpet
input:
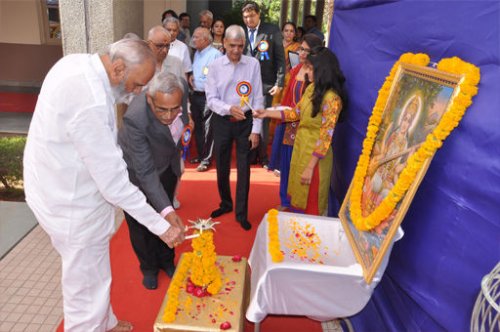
(17, 102)
(198, 196)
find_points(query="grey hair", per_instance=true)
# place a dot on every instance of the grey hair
(131, 35)
(208, 13)
(171, 19)
(165, 82)
(235, 32)
(206, 33)
(160, 29)
(132, 51)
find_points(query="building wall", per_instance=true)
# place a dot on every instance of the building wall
(128, 16)
(154, 8)
(26, 57)
(87, 25)
(20, 22)
(26, 65)
(220, 7)
(194, 8)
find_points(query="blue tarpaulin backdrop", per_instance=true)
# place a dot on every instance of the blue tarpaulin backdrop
(452, 229)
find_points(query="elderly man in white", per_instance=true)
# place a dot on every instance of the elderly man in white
(74, 175)
(178, 48)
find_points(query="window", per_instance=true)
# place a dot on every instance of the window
(51, 21)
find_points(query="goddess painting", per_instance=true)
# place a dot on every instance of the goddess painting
(414, 109)
(414, 113)
(390, 155)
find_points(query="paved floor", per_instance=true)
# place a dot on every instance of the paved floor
(30, 292)
(15, 123)
(30, 273)
(16, 220)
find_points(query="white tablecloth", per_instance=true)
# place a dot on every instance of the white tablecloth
(333, 289)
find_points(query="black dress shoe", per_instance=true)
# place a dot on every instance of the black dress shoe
(150, 281)
(219, 212)
(195, 161)
(169, 270)
(245, 225)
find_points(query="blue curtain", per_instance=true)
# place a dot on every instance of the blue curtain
(452, 229)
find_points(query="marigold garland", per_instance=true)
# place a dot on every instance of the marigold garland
(175, 288)
(274, 241)
(204, 272)
(449, 121)
(200, 263)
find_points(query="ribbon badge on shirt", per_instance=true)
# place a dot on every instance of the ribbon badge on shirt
(185, 139)
(243, 89)
(262, 48)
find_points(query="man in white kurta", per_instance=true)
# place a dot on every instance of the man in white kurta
(74, 175)
(178, 48)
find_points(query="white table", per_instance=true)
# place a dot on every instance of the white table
(322, 292)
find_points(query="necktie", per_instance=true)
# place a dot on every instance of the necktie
(252, 34)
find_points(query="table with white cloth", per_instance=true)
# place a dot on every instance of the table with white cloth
(319, 276)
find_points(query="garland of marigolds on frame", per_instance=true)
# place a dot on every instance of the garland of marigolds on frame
(449, 121)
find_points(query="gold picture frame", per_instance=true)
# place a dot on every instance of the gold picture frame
(418, 98)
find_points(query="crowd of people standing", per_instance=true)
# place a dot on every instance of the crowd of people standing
(218, 83)
(284, 80)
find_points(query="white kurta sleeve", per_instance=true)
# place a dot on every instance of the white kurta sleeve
(93, 137)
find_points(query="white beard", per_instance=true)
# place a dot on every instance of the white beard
(122, 96)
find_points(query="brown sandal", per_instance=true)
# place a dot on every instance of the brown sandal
(122, 326)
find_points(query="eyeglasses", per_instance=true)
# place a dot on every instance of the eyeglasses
(305, 50)
(160, 46)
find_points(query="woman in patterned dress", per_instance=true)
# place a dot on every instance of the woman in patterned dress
(295, 84)
(318, 111)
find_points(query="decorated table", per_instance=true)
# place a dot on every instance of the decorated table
(207, 292)
(209, 312)
(304, 265)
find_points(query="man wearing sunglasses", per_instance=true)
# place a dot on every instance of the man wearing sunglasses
(149, 139)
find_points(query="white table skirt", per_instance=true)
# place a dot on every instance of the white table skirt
(322, 292)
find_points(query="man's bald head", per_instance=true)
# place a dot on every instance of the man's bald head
(159, 43)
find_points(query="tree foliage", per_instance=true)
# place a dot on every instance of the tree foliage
(269, 12)
(11, 160)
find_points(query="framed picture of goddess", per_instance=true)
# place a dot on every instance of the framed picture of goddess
(412, 107)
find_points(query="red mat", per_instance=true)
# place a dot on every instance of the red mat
(198, 196)
(17, 102)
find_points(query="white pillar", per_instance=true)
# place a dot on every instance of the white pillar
(89, 25)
